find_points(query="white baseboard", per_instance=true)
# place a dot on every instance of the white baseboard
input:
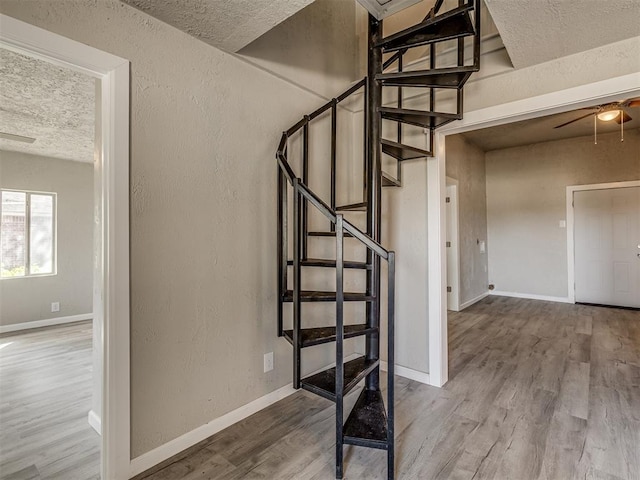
(468, 303)
(163, 452)
(409, 373)
(531, 296)
(95, 422)
(154, 457)
(45, 323)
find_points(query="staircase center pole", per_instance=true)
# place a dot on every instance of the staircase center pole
(374, 190)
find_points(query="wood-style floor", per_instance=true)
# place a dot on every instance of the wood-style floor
(45, 396)
(537, 390)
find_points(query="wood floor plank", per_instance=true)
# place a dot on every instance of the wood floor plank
(538, 390)
(46, 379)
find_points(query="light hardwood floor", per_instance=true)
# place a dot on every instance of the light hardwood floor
(45, 396)
(537, 390)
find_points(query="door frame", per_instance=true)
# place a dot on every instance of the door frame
(546, 104)
(571, 263)
(454, 282)
(113, 72)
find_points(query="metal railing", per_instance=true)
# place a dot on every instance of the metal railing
(303, 196)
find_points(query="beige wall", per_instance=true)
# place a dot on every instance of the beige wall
(285, 49)
(526, 200)
(466, 163)
(204, 129)
(29, 299)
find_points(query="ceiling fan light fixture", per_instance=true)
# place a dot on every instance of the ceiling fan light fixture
(608, 115)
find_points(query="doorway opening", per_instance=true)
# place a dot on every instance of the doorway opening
(112, 263)
(452, 245)
(543, 105)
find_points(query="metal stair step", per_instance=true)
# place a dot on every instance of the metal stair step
(353, 207)
(367, 422)
(322, 296)
(324, 383)
(454, 77)
(401, 152)
(389, 181)
(455, 23)
(327, 234)
(321, 262)
(419, 118)
(317, 336)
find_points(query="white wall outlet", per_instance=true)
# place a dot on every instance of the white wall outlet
(268, 362)
(55, 306)
(483, 247)
(562, 224)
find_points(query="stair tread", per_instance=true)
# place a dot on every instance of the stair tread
(401, 151)
(327, 234)
(322, 262)
(319, 335)
(322, 296)
(454, 77)
(449, 25)
(353, 207)
(389, 181)
(420, 118)
(324, 383)
(367, 422)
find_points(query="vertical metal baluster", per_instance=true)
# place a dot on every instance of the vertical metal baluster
(297, 219)
(334, 131)
(391, 305)
(339, 344)
(476, 39)
(282, 256)
(365, 159)
(460, 93)
(398, 162)
(305, 180)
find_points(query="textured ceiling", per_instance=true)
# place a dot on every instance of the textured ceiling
(225, 24)
(541, 129)
(54, 105)
(538, 31)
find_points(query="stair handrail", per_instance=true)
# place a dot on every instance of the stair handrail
(349, 227)
(301, 194)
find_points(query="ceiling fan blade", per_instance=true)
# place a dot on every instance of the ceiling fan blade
(575, 120)
(634, 102)
(624, 115)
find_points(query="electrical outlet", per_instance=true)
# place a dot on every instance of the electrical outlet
(55, 306)
(268, 362)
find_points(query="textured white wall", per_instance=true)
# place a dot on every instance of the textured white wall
(466, 163)
(29, 299)
(204, 129)
(526, 199)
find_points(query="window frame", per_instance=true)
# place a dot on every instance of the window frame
(27, 247)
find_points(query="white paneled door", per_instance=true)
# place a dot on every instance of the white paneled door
(607, 246)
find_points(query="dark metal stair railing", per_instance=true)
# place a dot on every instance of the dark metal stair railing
(303, 196)
(300, 192)
(286, 171)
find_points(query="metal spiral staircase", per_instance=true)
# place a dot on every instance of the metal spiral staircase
(370, 423)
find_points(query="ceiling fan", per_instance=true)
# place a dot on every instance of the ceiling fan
(609, 111)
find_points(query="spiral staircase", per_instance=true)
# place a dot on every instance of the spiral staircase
(370, 422)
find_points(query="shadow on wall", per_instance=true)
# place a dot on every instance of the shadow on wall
(316, 48)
